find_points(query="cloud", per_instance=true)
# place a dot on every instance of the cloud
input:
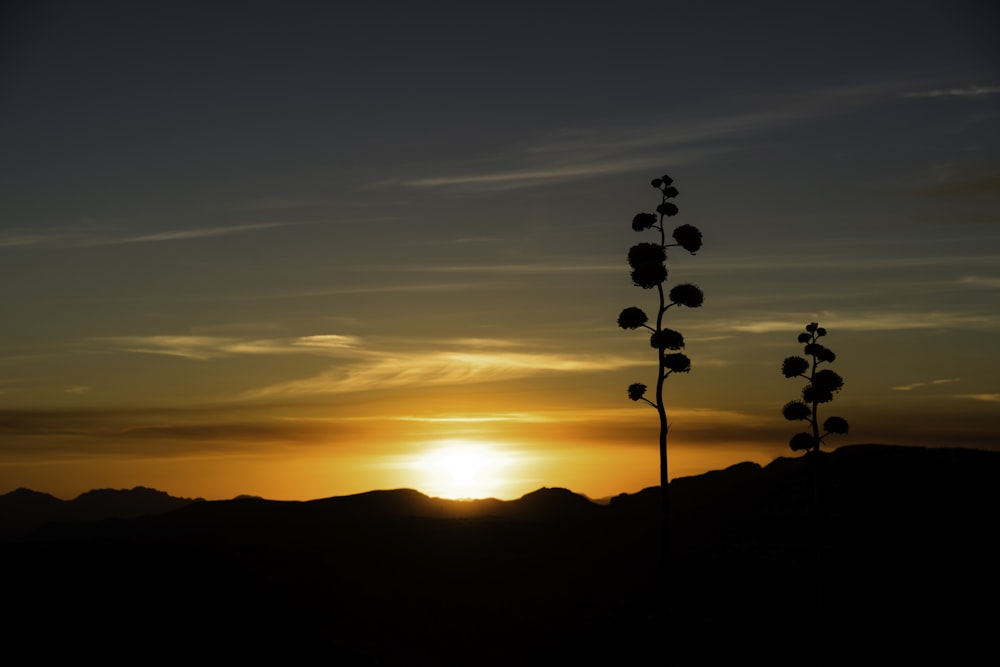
(189, 433)
(104, 237)
(188, 234)
(873, 321)
(505, 180)
(387, 370)
(203, 348)
(473, 418)
(917, 385)
(572, 154)
(529, 269)
(989, 398)
(967, 91)
(986, 282)
(586, 152)
(376, 363)
(13, 239)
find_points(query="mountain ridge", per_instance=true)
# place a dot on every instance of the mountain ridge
(395, 577)
(740, 489)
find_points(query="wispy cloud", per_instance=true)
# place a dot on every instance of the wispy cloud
(516, 178)
(966, 91)
(874, 321)
(507, 269)
(584, 152)
(14, 239)
(374, 364)
(989, 398)
(188, 433)
(593, 154)
(384, 371)
(188, 234)
(932, 383)
(473, 418)
(791, 262)
(986, 282)
(203, 348)
(106, 237)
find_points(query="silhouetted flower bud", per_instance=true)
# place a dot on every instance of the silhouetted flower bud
(666, 339)
(804, 338)
(802, 441)
(821, 331)
(829, 380)
(821, 352)
(796, 411)
(649, 276)
(836, 425)
(668, 209)
(656, 182)
(636, 391)
(677, 362)
(632, 318)
(670, 192)
(794, 366)
(666, 179)
(811, 327)
(813, 394)
(687, 295)
(643, 221)
(688, 237)
(642, 254)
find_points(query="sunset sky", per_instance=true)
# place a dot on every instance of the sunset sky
(306, 249)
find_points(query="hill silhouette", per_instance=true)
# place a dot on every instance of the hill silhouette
(907, 566)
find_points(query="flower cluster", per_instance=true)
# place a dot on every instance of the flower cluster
(648, 263)
(822, 385)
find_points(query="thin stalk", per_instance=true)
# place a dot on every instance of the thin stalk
(664, 428)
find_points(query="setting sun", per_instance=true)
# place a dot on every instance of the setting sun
(463, 469)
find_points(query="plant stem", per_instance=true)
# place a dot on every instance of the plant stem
(664, 427)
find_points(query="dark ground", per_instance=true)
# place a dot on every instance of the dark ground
(906, 569)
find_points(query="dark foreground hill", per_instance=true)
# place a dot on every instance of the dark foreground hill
(898, 560)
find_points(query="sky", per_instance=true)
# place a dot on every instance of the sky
(305, 249)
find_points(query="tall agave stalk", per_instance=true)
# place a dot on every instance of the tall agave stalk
(649, 271)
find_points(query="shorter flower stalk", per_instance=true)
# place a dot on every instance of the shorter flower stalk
(823, 383)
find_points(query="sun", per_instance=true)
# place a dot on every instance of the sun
(462, 469)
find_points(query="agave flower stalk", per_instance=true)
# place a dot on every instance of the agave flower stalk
(648, 262)
(823, 383)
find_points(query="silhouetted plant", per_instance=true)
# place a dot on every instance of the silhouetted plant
(649, 271)
(823, 384)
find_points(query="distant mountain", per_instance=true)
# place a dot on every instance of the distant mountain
(23, 508)
(931, 480)
(874, 551)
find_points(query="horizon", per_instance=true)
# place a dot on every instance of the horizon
(295, 252)
(595, 499)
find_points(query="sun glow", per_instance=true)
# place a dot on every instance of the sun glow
(463, 469)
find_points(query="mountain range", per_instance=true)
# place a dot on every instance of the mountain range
(870, 550)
